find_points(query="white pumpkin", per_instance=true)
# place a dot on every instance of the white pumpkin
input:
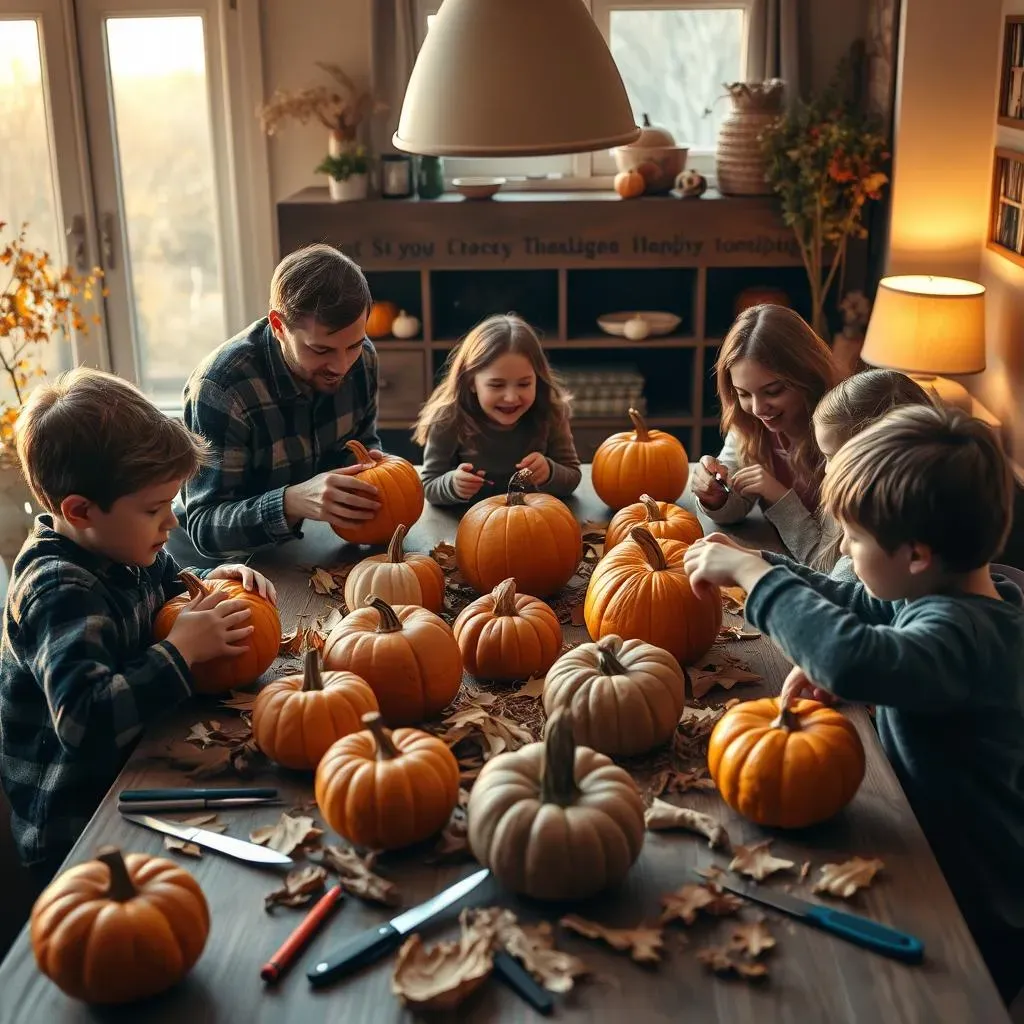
(396, 577)
(405, 325)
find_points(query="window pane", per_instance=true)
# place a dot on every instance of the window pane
(674, 64)
(165, 153)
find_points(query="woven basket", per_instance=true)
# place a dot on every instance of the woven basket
(739, 160)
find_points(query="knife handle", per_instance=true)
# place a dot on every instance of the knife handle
(358, 952)
(507, 968)
(870, 934)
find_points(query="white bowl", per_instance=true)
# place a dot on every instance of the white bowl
(658, 164)
(477, 188)
(658, 323)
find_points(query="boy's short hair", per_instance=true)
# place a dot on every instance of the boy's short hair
(321, 282)
(90, 433)
(925, 475)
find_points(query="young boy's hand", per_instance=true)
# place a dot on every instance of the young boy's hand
(799, 684)
(537, 464)
(710, 562)
(251, 579)
(722, 538)
(211, 626)
(467, 481)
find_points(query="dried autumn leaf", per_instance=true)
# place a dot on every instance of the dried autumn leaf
(643, 944)
(325, 625)
(444, 555)
(291, 642)
(441, 976)
(804, 868)
(206, 734)
(239, 701)
(208, 821)
(453, 844)
(751, 938)
(727, 633)
(288, 834)
(300, 886)
(669, 780)
(210, 768)
(734, 599)
(661, 816)
(533, 687)
(683, 904)
(357, 877)
(576, 615)
(534, 945)
(322, 581)
(494, 733)
(846, 878)
(757, 861)
(705, 677)
(721, 961)
(724, 903)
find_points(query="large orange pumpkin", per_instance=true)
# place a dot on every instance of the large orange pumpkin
(533, 537)
(117, 929)
(661, 518)
(504, 635)
(785, 768)
(640, 591)
(227, 673)
(639, 461)
(296, 718)
(381, 319)
(385, 790)
(408, 656)
(398, 577)
(400, 492)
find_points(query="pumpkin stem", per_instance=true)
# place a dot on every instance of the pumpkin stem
(121, 888)
(358, 449)
(311, 678)
(607, 656)
(651, 508)
(558, 781)
(639, 426)
(396, 553)
(389, 621)
(650, 547)
(386, 749)
(504, 595)
(787, 720)
(517, 484)
(194, 585)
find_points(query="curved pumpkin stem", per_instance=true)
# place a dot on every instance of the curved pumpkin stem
(311, 677)
(195, 586)
(639, 426)
(358, 449)
(504, 595)
(396, 553)
(650, 547)
(386, 749)
(651, 508)
(517, 484)
(121, 888)
(607, 656)
(787, 720)
(558, 781)
(389, 621)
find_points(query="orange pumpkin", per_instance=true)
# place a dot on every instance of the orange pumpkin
(786, 768)
(400, 493)
(504, 635)
(381, 319)
(630, 184)
(397, 577)
(296, 718)
(408, 656)
(117, 929)
(660, 518)
(640, 591)
(757, 295)
(639, 461)
(385, 790)
(533, 537)
(229, 672)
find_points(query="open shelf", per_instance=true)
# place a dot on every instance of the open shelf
(594, 293)
(462, 298)
(726, 284)
(402, 287)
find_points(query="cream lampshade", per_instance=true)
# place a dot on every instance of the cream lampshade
(927, 326)
(514, 78)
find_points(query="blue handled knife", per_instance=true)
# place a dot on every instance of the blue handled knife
(861, 930)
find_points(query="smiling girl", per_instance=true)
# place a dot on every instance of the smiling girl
(498, 409)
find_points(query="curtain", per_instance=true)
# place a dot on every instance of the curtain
(394, 44)
(773, 44)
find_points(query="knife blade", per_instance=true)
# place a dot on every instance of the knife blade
(720, 480)
(251, 852)
(863, 931)
(374, 943)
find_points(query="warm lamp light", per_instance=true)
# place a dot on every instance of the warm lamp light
(927, 326)
(514, 78)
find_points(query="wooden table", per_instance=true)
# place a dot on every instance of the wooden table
(813, 977)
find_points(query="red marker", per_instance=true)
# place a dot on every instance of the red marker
(272, 970)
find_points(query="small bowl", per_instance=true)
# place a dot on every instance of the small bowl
(658, 323)
(477, 188)
(658, 164)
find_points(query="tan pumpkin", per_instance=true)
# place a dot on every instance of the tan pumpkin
(533, 537)
(641, 461)
(398, 577)
(261, 647)
(554, 821)
(385, 790)
(630, 184)
(504, 635)
(625, 696)
(786, 768)
(662, 519)
(406, 654)
(399, 491)
(381, 319)
(296, 718)
(117, 929)
(639, 590)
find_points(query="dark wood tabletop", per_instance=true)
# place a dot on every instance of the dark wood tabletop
(812, 976)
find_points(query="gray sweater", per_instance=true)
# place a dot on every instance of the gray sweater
(946, 673)
(497, 451)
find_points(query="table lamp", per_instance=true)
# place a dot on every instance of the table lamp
(926, 326)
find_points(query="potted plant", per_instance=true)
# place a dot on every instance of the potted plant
(347, 174)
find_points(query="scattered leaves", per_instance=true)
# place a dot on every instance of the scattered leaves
(669, 781)
(721, 961)
(662, 816)
(239, 701)
(533, 688)
(494, 734)
(208, 821)
(846, 878)
(357, 877)
(643, 944)
(757, 861)
(734, 599)
(683, 904)
(727, 633)
(751, 938)
(299, 888)
(210, 734)
(725, 675)
(288, 834)
(452, 844)
(441, 976)
(444, 555)
(322, 582)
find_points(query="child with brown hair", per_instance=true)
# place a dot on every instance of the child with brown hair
(80, 675)
(499, 408)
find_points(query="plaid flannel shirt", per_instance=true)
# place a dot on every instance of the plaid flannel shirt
(79, 678)
(268, 432)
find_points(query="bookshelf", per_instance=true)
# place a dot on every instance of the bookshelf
(1011, 78)
(1006, 230)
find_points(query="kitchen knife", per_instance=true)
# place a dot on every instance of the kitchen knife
(374, 943)
(251, 852)
(852, 927)
(720, 480)
(224, 793)
(137, 806)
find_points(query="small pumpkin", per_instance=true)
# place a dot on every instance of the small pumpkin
(625, 696)
(385, 790)
(786, 767)
(117, 929)
(400, 493)
(641, 461)
(554, 821)
(504, 635)
(639, 590)
(629, 184)
(381, 319)
(406, 654)
(533, 537)
(397, 577)
(405, 325)
(296, 718)
(660, 518)
(759, 295)
(261, 647)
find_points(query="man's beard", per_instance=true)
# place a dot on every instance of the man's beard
(312, 378)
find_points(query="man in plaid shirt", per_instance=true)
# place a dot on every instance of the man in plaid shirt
(277, 404)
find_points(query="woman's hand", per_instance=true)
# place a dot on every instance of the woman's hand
(706, 489)
(757, 482)
(251, 579)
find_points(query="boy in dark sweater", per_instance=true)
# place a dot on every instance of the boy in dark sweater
(80, 675)
(929, 636)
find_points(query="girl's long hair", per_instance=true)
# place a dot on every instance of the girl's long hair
(454, 403)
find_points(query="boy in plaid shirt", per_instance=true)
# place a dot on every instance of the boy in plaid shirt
(80, 675)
